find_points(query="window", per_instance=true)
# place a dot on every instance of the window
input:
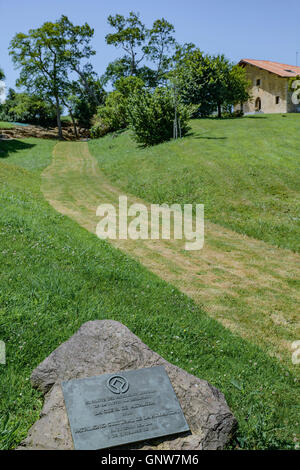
(258, 82)
(277, 99)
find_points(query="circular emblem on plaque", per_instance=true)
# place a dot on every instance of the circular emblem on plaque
(117, 384)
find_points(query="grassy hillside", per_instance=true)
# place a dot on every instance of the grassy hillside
(248, 285)
(246, 172)
(31, 154)
(5, 125)
(55, 276)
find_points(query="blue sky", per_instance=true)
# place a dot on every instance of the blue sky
(265, 29)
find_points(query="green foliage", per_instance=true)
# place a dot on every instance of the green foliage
(99, 128)
(192, 75)
(151, 116)
(113, 116)
(117, 69)
(81, 103)
(47, 55)
(210, 82)
(141, 47)
(130, 34)
(23, 107)
(160, 46)
(6, 125)
(129, 85)
(114, 113)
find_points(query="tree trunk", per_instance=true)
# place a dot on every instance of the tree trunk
(219, 111)
(60, 134)
(72, 117)
(74, 124)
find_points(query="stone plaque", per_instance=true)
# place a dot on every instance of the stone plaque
(115, 409)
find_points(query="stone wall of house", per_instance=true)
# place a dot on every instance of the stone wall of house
(271, 86)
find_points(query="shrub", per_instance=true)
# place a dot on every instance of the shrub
(113, 116)
(114, 113)
(152, 116)
(99, 128)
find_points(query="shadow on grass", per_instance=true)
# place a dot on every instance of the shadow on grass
(209, 138)
(195, 135)
(8, 147)
(254, 116)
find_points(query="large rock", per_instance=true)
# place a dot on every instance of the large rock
(108, 346)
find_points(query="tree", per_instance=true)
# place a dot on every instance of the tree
(210, 82)
(161, 43)
(239, 86)
(130, 34)
(228, 84)
(83, 104)
(119, 68)
(141, 46)
(23, 107)
(78, 40)
(193, 75)
(48, 55)
(39, 54)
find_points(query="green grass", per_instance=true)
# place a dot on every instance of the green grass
(56, 276)
(31, 154)
(246, 172)
(66, 118)
(5, 125)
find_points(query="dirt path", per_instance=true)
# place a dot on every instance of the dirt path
(246, 284)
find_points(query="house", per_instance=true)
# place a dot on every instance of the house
(270, 86)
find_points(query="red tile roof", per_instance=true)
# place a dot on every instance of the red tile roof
(283, 70)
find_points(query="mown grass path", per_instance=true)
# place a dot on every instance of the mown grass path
(246, 284)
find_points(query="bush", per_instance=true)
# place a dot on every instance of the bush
(113, 116)
(99, 128)
(114, 113)
(151, 116)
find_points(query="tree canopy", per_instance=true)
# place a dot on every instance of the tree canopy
(29, 108)
(210, 82)
(141, 46)
(56, 69)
